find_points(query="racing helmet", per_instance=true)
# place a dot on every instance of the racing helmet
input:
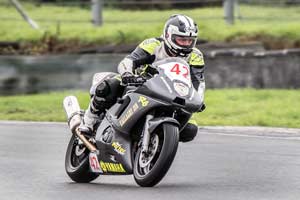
(180, 35)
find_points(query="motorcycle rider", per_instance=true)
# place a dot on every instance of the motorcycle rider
(178, 40)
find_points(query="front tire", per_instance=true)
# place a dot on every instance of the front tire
(77, 162)
(150, 169)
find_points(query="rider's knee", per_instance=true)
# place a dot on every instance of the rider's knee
(106, 94)
(115, 86)
(188, 133)
(103, 89)
(108, 88)
(98, 100)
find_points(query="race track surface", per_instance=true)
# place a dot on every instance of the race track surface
(221, 163)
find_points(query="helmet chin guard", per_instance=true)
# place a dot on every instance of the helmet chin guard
(179, 52)
(180, 35)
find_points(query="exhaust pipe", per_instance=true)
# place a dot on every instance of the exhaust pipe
(74, 116)
(73, 112)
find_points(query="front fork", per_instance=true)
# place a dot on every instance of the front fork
(146, 134)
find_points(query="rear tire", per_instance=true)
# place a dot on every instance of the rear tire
(157, 165)
(77, 162)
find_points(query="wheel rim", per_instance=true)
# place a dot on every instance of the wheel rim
(146, 161)
(79, 150)
(79, 153)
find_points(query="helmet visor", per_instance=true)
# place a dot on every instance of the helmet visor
(184, 41)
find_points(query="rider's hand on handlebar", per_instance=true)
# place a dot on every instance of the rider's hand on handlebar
(129, 78)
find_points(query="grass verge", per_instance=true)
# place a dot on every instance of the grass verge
(127, 26)
(242, 107)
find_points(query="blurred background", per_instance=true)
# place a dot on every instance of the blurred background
(57, 45)
(50, 49)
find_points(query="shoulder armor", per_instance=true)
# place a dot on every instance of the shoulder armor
(196, 58)
(149, 45)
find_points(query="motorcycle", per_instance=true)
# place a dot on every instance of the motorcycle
(139, 134)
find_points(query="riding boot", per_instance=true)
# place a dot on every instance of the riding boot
(88, 122)
(92, 116)
(104, 97)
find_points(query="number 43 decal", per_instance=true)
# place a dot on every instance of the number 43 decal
(180, 70)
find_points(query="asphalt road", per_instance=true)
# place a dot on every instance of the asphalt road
(221, 163)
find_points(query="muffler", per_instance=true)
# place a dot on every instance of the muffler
(73, 112)
(74, 116)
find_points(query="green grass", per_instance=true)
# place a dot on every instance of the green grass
(243, 107)
(250, 107)
(40, 107)
(132, 28)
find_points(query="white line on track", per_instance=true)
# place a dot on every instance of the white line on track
(237, 131)
(253, 136)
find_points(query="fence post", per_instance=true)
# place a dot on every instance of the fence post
(228, 6)
(97, 12)
(19, 8)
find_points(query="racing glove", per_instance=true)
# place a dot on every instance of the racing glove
(128, 77)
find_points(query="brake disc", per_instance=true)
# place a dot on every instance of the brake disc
(146, 158)
(80, 148)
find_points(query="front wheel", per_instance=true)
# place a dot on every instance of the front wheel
(77, 162)
(151, 167)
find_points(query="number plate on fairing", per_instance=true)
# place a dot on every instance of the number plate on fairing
(94, 163)
(177, 71)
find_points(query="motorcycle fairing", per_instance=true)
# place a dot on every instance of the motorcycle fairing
(114, 130)
(114, 149)
(113, 137)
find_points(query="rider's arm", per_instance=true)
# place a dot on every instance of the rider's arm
(197, 76)
(197, 70)
(142, 55)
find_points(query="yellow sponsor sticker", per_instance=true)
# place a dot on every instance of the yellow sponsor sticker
(129, 114)
(118, 148)
(144, 101)
(112, 167)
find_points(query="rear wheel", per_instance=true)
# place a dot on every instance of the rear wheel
(151, 167)
(77, 162)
